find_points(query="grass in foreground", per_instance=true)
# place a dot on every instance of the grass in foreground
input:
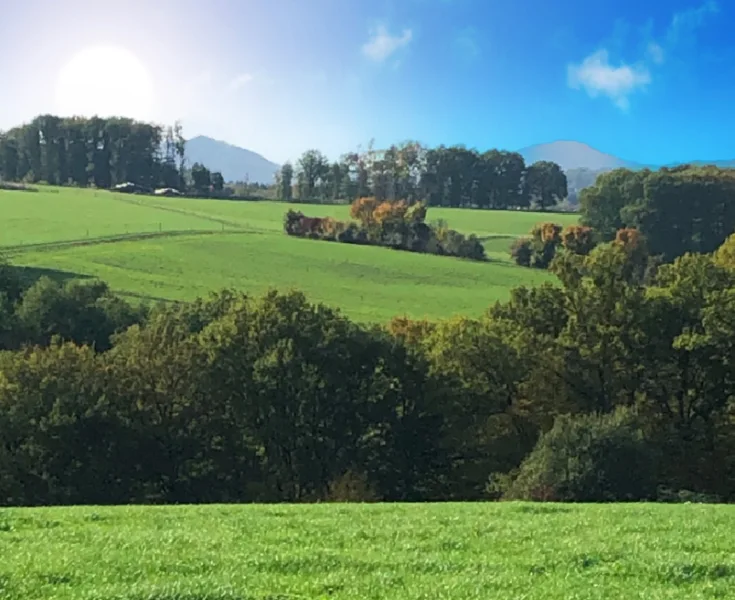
(447, 551)
(178, 249)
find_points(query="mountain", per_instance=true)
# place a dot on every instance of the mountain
(575, 155)
(235, 164)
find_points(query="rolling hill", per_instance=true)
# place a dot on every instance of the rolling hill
(235, 163)
(183, 248)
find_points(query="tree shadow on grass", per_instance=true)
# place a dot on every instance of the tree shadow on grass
(30, 275)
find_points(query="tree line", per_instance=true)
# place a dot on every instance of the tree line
(104, 153)
(395, 225)
(673, 211)
(605, 385)
(101, 152)
(444, 176)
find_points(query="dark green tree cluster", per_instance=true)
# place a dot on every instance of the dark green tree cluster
(444, 176)
(204, 181)
(396, 225)
(100, 152)
(601, 387)
(678, 210)
(83, 312)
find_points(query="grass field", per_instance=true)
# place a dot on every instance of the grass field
(178, 249)
(447, 551)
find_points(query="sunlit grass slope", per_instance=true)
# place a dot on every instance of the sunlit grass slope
(178, 249)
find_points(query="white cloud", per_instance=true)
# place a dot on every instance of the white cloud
(684, 23)
(240, 81)
(655, 52)
(382, 44)
(597, 77)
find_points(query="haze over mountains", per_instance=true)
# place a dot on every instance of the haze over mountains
(570, 155)
(239, 164)
(235, 163)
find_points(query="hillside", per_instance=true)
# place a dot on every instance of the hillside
(180, 249)
(235, 163)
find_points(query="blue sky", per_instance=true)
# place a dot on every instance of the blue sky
(649, 81)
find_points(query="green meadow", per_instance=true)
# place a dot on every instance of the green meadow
(179, 249)
(348, 552)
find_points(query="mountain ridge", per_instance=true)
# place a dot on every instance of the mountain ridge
(572, 155)
(234, 162)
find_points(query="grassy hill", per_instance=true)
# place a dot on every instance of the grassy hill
(178, 249)
(449, 551)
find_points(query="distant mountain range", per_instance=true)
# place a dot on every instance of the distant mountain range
(235, 164)
(581, 162)
(576, 155)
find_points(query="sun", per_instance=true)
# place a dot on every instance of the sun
(105, 81)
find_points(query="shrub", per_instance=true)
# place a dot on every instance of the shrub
(578, 239)
(588, 458)
(351, 487)
(669, 496)
(539, 249)
(392, 224)
(521, 251)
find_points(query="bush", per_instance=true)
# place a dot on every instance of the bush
(522, 252)
(351, 487)
(685, 497)
(578, 239)
(540, 248)
(390, 224)
(588, 458)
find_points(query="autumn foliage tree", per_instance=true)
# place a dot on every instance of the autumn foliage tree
(394, 224)
(578, 239)
(363, 210)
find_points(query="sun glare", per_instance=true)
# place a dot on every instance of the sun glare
(105, 81)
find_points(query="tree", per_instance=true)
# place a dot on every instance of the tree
(218, 181)
(201, 178)
(9, 157)
(725, 254)
(588, 458)
(312, 169)
(578, 239)
(602, 204)
(285, 182)
(546, 184)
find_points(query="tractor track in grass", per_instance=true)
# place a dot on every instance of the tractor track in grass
(18, 250)
(178, 211)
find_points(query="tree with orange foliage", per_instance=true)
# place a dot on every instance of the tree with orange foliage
(390, 212)
(363, 210)
(547, 233)
(578, 239)
(629, 238)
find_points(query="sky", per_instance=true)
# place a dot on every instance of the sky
(650, 81)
